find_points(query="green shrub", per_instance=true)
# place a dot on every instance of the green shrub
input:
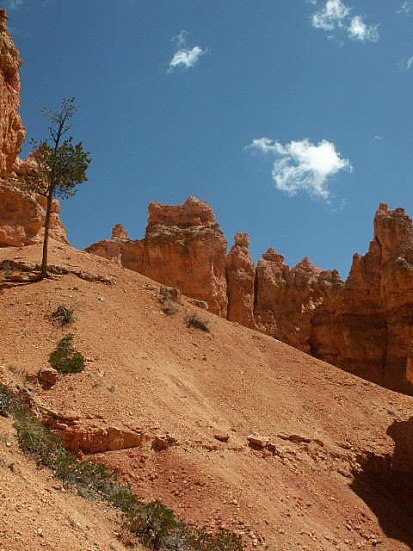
(65, 358)
(194, 321)
(62, 316)
(153, 523)
(201, 540)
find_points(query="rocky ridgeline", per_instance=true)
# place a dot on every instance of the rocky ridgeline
(21, 213)
(363, 325)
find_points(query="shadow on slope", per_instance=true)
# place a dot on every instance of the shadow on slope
(385, 484)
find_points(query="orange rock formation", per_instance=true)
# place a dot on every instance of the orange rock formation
(21, 213)
(12, 131)
(240, 282)
(367, 328)
(363, 325)
(183, 247)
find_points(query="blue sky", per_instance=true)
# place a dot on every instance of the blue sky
(293, 119)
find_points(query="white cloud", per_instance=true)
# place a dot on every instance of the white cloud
(358, 30)
(405, 8)
(335, 15)
(331, 16)
(303, 166)
(409, 62)
(184, 57)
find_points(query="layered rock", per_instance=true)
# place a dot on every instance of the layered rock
(368, 327)
(363, 325)
(183, 247)
(22, 217)
(286, 298)
(12, 131)
(240, 282)
(21, 212)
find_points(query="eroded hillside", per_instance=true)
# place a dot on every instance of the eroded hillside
(333, 456)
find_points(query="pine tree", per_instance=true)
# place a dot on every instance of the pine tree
(60, 166)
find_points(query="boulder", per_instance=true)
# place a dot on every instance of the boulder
(47, 377)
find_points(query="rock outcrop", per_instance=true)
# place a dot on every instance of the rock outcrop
(12, 132)
(22, 216)
(240, 282)
(287, 298)
(363, 325)
(367, 328)
(21, 212)
(183, 247)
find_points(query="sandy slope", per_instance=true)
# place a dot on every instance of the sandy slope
(148, 370)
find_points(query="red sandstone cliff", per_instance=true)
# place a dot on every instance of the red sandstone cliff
(21, 212)
(183, 247)
(367, 328)
(287, 298)
(11, 129)
(363, 325)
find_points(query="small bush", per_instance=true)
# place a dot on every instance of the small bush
(153, 524)
(9, 404)
(62, 316)
(65, 358)
(201, 540)
(169, 294)
(194, 321)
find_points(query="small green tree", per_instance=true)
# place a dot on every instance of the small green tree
(65, 358)
(60, 165)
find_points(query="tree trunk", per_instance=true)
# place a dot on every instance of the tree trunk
(43, 270)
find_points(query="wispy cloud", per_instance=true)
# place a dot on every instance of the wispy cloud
(184, 57)
(358, 30)
(409, 62)
(336, 15)
(303, 166)
(15, 4)
(405, 8)
(331, 16)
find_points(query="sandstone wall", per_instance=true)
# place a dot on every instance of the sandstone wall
(21, 213)
(368, 327)
(11, 129)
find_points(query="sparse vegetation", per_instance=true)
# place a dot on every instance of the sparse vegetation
(20, 372)
(194, 321)
(65, 358)
(62, 316)
(168, 296)
(169, 310)
(153, 524)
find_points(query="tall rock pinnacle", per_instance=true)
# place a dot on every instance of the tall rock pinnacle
(12, 132)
